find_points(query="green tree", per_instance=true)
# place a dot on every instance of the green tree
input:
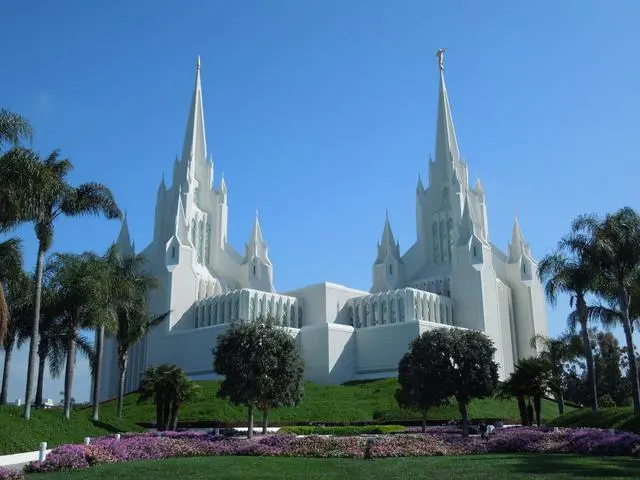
(19, 300)
(557, 352)
(423, 373)
(614, 247)
(129, 308)
(569, 270)
(532, 377)
(10, 268)
(473, 372)
(608, 358)
(40, 190)
(169, 386)
(262, 368)
(14, 128)
(74, 280)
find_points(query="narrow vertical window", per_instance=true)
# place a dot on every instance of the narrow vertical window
(390, 269)
(436, 252)
(443, 246)
(207, 243)
(200, 241)
(449, 235)
(173, 251)
(193, 232)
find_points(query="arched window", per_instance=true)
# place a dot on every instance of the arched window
(285, 315)
(374, 315)
(401, 310)
(351, 319)
(367, 314)
(474, 251)
(383, 316)
(390, 269)
(193, 232)
(445, 196)
(207, 243)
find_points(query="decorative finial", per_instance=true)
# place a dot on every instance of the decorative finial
(256, 213)
(440, 55)
(198, 63)
(386, 214)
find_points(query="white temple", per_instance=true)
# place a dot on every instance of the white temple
(452, 276)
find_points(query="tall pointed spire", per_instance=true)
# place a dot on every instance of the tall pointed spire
(446, 142)
(195, 142)
(388, 243)
(517, 246)
(124, 238)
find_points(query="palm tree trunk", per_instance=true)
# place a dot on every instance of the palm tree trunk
(42, 363)
(175, 408)
(123, 371)
(522, 407)
(250, 430)
(68, 374)
(97, 373)
(537, 405)
(633, 366)
(33, 343)
(581, 305)
(8, 351)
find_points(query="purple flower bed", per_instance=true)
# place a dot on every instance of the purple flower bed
(151, 446)
(6, 474)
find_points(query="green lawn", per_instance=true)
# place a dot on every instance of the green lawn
(18, 435)
(356, 402)
(513, 467)
(371, 401)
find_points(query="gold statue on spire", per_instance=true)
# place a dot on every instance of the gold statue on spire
(440, 55)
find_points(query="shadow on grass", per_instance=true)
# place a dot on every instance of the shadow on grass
(107, 427)
(577, 466)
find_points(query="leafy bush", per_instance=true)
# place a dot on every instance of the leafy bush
(343, 431)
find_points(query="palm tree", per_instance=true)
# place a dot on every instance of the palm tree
(73, 278)
(128, 307)
(42, 193)
(14, 128)
(114, 288)
(10, 268)
(614, 244)
(169, 386)
(19, 300)
(532, 378)
(568, 270)
(557, 351)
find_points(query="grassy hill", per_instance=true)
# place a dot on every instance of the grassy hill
(620, 418)
(18, 435)
(371, 401)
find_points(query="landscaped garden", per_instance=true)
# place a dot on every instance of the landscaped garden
(479, 467)
(440, 441)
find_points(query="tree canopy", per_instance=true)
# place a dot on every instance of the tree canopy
(261, 365)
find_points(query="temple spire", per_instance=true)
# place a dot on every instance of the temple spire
(446, 142)
(125, 245)
(195, 143)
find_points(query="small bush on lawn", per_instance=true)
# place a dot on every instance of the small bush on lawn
(344, 431)
(620, 418)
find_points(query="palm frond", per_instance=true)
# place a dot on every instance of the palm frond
(91, 199)
(14, 128)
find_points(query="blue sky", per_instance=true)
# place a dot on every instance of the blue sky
(321, 114)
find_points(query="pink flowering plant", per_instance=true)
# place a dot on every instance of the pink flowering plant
(152, 446)
(6, 474)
